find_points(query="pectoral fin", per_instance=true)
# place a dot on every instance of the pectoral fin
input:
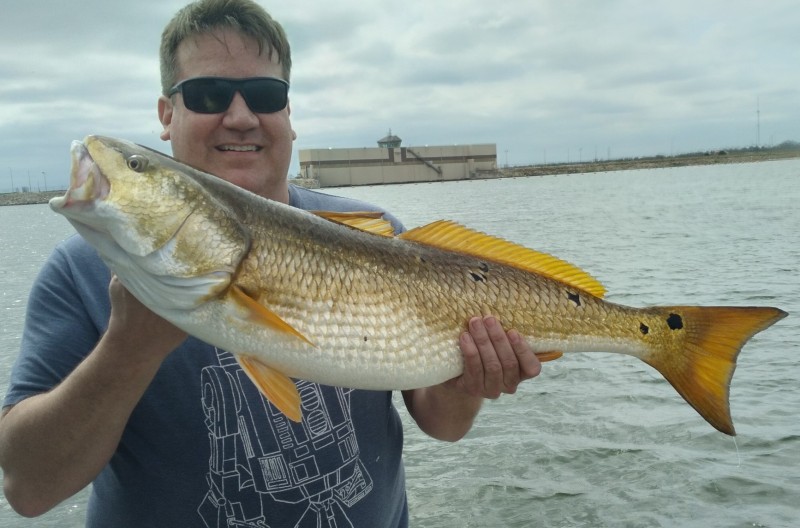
(278, 388)
(260, 314)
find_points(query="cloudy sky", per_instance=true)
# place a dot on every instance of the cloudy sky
(545, 80)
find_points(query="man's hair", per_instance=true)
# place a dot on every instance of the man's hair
(205, 16)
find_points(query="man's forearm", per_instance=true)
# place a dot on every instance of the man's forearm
(54, 444)
(443, 412)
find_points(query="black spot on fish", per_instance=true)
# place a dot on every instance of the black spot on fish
(644, 328)
(477, 277)
(675, 321)
(365, 339)
(484, 267)
(574, 297)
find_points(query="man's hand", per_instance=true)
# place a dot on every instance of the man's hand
(142, 330)
(495, 362)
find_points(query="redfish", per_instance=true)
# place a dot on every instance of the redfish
(339, 299)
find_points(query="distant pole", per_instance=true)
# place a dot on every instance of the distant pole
(12, 178)
(758, 122)
(30, 187)
(506, 158)
(44, 176)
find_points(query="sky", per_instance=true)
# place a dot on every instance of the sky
(546, 81)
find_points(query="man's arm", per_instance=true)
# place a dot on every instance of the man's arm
(495, 362)
(55, 443)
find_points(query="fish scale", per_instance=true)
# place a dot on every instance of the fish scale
(334, 298)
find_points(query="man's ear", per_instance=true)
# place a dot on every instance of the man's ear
(165, 109)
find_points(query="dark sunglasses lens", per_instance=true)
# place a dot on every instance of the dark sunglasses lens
(207, 96)
(265, 96)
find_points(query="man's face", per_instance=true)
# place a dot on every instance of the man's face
(250, 150)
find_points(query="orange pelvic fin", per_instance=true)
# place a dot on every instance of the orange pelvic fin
(260, 314)
(702, 371)
(444, 234)
(369, 221)
(278, 388)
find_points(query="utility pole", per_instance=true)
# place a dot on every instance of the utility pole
(758, 122)
(12, 178)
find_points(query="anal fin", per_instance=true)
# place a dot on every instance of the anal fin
(277, 387)
(548, 356)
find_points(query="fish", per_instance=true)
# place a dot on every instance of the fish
(340, 299)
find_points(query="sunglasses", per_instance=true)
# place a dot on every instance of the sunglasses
(213, 95)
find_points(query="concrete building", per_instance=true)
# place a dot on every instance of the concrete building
(392, 163)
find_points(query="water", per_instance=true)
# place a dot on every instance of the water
(597, 439)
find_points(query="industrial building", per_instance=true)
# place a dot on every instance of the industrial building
(392, 163)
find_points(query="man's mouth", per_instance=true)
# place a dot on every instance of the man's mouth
(239, 148)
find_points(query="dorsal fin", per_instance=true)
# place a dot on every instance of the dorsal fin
(369, 221)
(451, 236)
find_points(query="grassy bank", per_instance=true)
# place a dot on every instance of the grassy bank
(655, 162)
(27, 198)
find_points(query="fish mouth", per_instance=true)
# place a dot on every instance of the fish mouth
(87, 183)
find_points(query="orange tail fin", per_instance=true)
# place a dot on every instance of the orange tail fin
(701, 372)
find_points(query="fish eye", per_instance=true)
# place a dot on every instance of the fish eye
(137, 163)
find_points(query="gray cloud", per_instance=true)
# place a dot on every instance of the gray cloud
(536, 76)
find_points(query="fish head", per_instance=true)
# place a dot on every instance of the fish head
(157, 227)
(122, 191)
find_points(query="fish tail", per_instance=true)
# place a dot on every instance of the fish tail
(701, 364)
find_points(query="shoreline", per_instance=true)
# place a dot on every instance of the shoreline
(652, 162)
(656, 162)
(29, 198)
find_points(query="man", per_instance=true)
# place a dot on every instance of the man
(106, 392)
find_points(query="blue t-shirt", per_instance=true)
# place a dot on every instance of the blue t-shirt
(203, 447)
